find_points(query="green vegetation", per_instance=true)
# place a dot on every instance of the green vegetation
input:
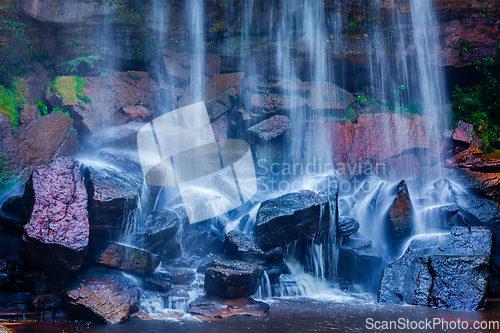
(401, 102)
(42, 108)
(70, 89)
(75, 66)
(480, 104)
(9, 105)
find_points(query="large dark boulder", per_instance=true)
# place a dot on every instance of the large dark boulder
(102, 294)
(112, 193)
(400, 215)
(443, 270)
(239, 246)
(57, 234)
(284, 219)
(158, 228)
(232, 279)
(129, 259)
(359, 262)
(213, 307)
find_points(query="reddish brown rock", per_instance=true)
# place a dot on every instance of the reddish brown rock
(103, 294)
(463, 132)
(57, 234)
(371, 139)
(36, 143)
(232, 279)
(132, 113)
(109, 93)
(176, 68)
(400, 215)
(272, 127)
(483, 169)
(220, 93)
(213, 307)
(129, 259)
(112, 192)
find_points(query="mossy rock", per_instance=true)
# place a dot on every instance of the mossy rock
(83, 66)
(69, 90)
(9, 105)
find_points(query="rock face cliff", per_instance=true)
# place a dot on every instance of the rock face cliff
(468, 28)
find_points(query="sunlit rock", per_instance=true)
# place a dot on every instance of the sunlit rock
(57, 234)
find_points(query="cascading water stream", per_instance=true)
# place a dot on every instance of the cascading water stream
(306, 38)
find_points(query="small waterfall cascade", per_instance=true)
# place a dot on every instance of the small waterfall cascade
(313, 56)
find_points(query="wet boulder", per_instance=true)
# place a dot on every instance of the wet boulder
(132, 113)
(129, 259)
(232, 279)
(347, 226)
(359, 262)
(400, 215)
(155, 284)
(42, 140)
(175, 275)
(239, 246)
(102, 294)
(271, 128)
(57, 234)
(112, 193)
(284, 219)
(448, 271)
(212, 307)
(158, 228)
(463, 132)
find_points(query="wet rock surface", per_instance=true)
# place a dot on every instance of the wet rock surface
(43, 139)
(57, 233)
(232, 279)
(401, 214)
(290, 217)
(158, 228)
(112, 193)
(449, 270)
(213, 307)
(238, 245)
(347, 226)
(103, 294)
(271, 127)
(129, 259)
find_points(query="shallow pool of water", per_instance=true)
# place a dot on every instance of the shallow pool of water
(296, 315)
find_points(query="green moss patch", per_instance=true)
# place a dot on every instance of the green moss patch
(69, 88)
(9, 105)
